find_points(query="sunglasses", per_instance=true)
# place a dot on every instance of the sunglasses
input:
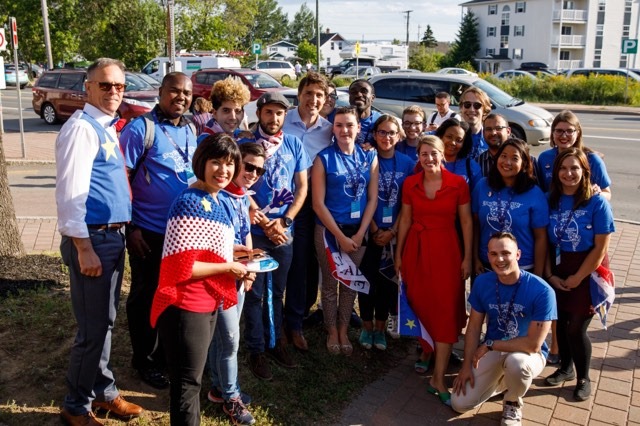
(467, 105)
(250, 168)
(106, 86)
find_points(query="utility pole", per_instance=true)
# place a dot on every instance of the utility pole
(408, 12)
(419, 28)
(318, 34)
(47, 39)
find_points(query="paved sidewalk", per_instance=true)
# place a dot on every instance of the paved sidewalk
(39, 146)
(400, 398)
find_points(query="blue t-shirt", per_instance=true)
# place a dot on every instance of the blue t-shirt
(346, 187)
(599, 174)
(462, 167)
(281, 167)
(408, 150)
(534, 301)
(505, 211)
(392, 173)
(166, 164)
(238, 205)
(366, 128)
(576, 230)
(479, 145)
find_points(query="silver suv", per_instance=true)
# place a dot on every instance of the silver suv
(280, 70)
(395, 92)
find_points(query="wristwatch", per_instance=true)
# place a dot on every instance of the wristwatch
(287, 221)
(489, 344)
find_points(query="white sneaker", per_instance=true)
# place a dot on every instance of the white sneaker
(511, 414)
(392, 327)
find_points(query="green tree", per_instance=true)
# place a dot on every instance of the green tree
(423, 60)
(307, 52)
(467, 43)
(428, 40)
(396, 42)
(303, 25)
(272, 25)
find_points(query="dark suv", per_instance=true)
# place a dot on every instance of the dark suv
(256, 81)
(59, 93)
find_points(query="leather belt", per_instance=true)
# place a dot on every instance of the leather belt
(106, 227)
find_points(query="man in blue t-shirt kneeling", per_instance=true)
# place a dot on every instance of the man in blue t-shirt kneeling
(519, 307)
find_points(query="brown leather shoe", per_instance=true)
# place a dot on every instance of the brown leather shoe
(88, 419)
(120, 408)
(298, 341)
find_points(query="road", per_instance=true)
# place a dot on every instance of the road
(614, 135)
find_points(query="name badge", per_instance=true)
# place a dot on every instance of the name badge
(355, 210)
(557, 255)
(387, 215)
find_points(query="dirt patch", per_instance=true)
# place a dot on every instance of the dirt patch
(30, 272)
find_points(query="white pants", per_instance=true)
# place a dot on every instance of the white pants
(497, 372)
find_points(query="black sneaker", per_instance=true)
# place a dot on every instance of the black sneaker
(315, 318)
(582, 391)
(259, 366)
(559, 377)
(281, 356)
(355, 320)
(154, 377)
(215, 395)
(238, 413)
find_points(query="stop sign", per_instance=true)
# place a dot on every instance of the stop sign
(14, 32)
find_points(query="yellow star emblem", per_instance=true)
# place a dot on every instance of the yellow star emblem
(206, 204)
(410, 323)
(109, 149)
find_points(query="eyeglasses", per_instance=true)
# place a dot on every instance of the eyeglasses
(467, 105)
(561, 132)
(412, 123)
(333, 96)
(250, 168)
(384, 133)
(106, 86)
(495, 129)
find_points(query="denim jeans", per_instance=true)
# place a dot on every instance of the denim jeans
(256, 312)
(223, 351)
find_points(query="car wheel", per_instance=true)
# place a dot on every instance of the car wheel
(49, 114)
(517, 132)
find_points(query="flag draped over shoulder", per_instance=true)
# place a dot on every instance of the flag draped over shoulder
(408, 322)
(342, 267)
(198, 229)
(602, 286)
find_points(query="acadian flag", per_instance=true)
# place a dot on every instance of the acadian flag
(280, 198)
(408, 322)
(602, 286)
(342, 267)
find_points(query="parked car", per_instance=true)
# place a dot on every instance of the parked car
(362, 72)
(342, 66)
(508, 74)
(595, 72)
(534, 66)
(395, 92)
(57, 94)
(256, 81)
(456, 71)
(11, 76)
(280, 70)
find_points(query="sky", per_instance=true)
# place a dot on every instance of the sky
(384, 20)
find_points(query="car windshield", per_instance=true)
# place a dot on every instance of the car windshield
(262, 81)
(498, 96)
(135, 83)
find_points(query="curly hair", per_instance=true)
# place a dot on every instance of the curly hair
(229, 89)
(202, 105)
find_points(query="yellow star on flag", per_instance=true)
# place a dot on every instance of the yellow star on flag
(410, 323)
(206, 204)
(109, 149)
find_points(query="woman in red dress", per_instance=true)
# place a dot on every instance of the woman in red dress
(429, 256)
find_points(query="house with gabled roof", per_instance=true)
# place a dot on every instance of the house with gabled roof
(282, 50)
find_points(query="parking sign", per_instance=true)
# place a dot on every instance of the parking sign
(256, 48)
(629, 45)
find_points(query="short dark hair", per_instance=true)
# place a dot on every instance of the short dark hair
(467, 144)
(213, 147)
(443, 95)
(313, 77)
(252, 148)
(173, 76)
(501, 235)
(524, 180)
(365, 82)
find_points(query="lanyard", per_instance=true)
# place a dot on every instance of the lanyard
(353, 176)
(183, 154)
(387, 192)
(502, 210)
(504, 316)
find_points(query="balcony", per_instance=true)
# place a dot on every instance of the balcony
(570, 15)
(570, 64)
(569, 41)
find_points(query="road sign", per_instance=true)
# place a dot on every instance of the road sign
(14, 32)
(629, 45)
(256, 49)
(357, 49)
(3, 40)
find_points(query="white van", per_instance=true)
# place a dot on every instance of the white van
(396, 91)
(158, 67)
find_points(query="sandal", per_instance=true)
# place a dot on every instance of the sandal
(421, 367)
(445, 397)
(333, 348)
(346, 348)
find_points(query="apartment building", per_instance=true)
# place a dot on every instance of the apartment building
(564, 34)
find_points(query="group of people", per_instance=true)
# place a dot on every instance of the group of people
(366, 199)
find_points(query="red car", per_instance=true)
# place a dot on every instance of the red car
(257, 81)
(59, 93)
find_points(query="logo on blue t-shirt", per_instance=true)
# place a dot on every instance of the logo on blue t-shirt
(179, 165)
(572, 232)
(499, 218)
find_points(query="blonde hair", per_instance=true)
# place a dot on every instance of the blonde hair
(484, 99)
(229, 89)
(432, 141)
(414, 109)
(202, 105)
